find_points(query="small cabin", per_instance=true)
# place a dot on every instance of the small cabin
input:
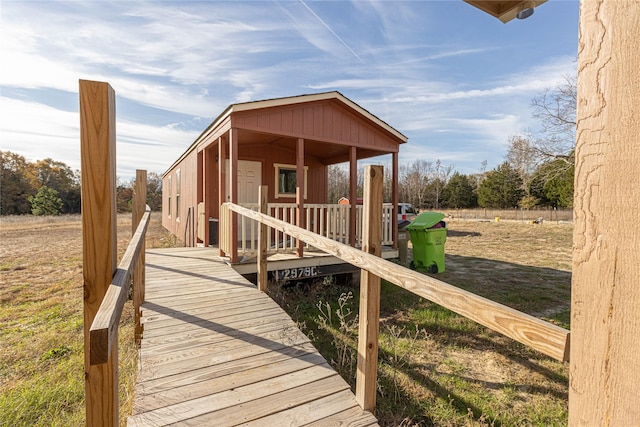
(286, 144)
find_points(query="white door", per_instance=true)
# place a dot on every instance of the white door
(249, 179)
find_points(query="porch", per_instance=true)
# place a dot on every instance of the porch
(218, 351)
(328, 220)
(287, 144)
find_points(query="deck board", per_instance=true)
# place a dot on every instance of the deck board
(216, 351)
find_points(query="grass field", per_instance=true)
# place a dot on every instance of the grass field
(435, 367)
(41, 312)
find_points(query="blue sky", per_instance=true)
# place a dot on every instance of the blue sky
(455, 80)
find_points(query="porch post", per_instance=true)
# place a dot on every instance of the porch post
(233, 193)
(222, 184)
(604, 363)
(99, 239)
(206, 191)
(263, 204)
(369, 317)
(394, 199)
(300, 193)
(353, 194)
(138, 209)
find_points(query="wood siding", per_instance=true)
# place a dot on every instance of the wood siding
(268, 156)
(331, 129)
(177, 222)
(191, 180)
(325, 121)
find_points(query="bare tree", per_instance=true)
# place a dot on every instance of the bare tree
(387, 184)
(556, 111)
(523, 157)
(476, 178)
(338, 183)
(437, 181)
(413, 182)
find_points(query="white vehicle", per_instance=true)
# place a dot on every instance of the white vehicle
(406, 214)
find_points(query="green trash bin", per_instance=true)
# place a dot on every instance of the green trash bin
(428, 235)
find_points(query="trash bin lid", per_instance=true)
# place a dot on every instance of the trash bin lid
(425, 220)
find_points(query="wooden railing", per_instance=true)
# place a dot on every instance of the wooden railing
(104, 328)
(106, 286)
(545, 337)
(328, 220)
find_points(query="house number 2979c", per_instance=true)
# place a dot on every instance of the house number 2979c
(296, 273)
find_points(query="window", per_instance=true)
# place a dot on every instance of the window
(286, 181)
(169, 192)
(178, 194)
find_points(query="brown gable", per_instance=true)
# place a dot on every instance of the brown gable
(322, 121)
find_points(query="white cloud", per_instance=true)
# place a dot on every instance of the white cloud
(195, 58)
(316, 31)
(57, 135)
(37, 131)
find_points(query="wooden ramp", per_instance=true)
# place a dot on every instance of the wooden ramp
(217, 352)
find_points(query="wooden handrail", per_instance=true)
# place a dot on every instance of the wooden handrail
(538, 334)
(104, 329)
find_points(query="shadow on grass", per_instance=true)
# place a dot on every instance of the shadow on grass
(457, 233)
(538, 291)
(542, 292)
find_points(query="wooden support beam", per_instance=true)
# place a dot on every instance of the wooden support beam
(605, 291)
(263, 206)
(394, 198)
(104, 328)
(201, 227)
(353, 194)
(137, 211)
(233, 192)
(222, 187)
(369, 317)
(99, 240)
(543, 336)
(207, 187)
(300, 184)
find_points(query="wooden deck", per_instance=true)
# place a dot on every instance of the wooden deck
(216, 351)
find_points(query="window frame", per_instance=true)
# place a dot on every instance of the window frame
(169, 182)
(178, 176)
(280, 166)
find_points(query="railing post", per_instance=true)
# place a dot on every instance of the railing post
(262, 239)
(99, 243)
(139, 205)
(367, 373)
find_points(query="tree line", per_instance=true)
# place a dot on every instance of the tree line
(50, 187)
(429, 185)
(537, 171)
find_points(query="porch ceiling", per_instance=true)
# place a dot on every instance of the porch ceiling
(506, 10)
(325, 152)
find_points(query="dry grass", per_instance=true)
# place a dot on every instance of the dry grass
(41, 310)
(439, 369)
(436, 368)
